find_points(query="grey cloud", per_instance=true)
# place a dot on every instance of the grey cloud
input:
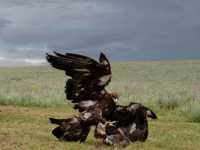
(3, 23)
(171, 26)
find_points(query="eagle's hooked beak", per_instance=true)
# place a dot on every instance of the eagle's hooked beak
(115, 96)
(116, 100)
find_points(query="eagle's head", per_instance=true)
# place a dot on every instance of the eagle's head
(115, 96)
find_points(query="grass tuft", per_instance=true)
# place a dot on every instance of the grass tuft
(192, 111)
(169, 102)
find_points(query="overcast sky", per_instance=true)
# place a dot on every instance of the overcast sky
(127, 29)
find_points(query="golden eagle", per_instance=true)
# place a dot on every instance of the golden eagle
(129, 124)
(97, 106)
(86, 87)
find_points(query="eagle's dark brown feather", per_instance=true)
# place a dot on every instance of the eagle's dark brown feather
(132, 120)
(70, 129)
(88, 77)
(86, 89)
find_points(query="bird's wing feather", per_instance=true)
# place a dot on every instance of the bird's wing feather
(88, 76)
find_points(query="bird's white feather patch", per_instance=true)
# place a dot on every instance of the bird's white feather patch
(76, 94)
(105, 62)
(109, 140)
(103, 92)
(119, 108)
(81, 70)
(87, 74)
(133, 107)
(79, 85)
(132, 128)
(104, 79)
(101, 129)
(87, 103)
(87, 115)
(82, 89)
(74, 120)
(149, 113)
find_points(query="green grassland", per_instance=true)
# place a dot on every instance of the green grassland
(30, 95)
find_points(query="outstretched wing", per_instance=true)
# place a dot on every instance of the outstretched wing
(88, 76)
(70, 129)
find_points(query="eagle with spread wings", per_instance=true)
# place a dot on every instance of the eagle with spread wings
(86, 87)
(86, 90)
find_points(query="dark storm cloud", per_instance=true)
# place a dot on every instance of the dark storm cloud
(3, 23)
(135, 29)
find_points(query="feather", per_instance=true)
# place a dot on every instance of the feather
(88, 77)
(86, 89)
